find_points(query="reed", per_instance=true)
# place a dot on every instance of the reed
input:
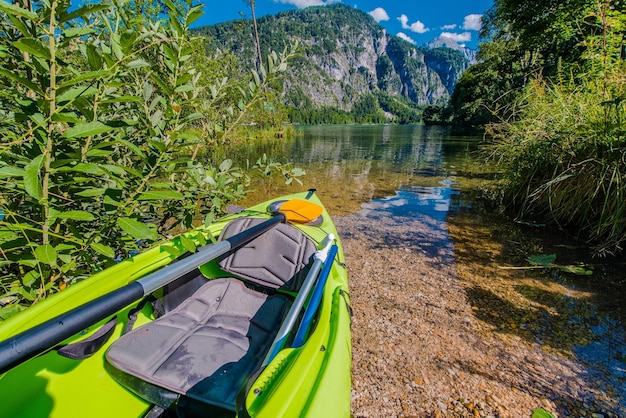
(565, 156)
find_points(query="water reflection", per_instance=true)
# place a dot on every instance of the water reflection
(414, 201)
(351, 165)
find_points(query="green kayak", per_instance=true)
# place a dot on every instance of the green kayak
(255, 322)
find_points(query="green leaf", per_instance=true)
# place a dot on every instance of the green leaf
(70, 265)
(29, 278)
(158, 144)
(201, 239)
(79, 31)
(11, 9)
(192, 117)
(94, 57)
(33, 46)
(257, 79)
(194, 14)
(161, 185)
(98, 153)
(188, 244)
(82, 130)
(24, 82)
(89, 76)
(543, 260)
(29, 262)
(105, 250)
(108, 200)
(541, 413)
(75, 215)
(76, 92)
(88, 168)
(138, 63)
(115, 169)
(84, 11)
(184, 88)
(226, 165)
(32, 181)
(116, 46)
(19, 24)
(46, 254)
(64, 247)
(69, 117)
(133, 172)
(26, 294)
(124, 99)
(184, 79)
(160, 195)
(134, 148)
(136, 229)
(164, 86)
(11, 171)
(580, 271)
(92, 192)
(127, 41)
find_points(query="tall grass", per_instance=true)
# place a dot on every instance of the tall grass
(565, 155)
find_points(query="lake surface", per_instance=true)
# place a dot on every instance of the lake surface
(352, 165)
(435, 173)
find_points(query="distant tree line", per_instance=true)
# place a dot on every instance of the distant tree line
(370, 109)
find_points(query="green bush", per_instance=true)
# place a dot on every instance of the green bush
(101, 118)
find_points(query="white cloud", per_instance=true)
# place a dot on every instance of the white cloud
(417, 27)
(404, 36)
(449, 27)
(472, 22)
(457, 37)
(379, 14)
(301, 4)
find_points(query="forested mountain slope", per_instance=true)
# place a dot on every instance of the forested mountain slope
(348, 62)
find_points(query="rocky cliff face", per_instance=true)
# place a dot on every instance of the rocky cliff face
(446, 42)
(346, 55)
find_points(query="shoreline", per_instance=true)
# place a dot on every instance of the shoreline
(423, 345)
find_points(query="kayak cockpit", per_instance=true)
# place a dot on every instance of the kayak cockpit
(197, 357)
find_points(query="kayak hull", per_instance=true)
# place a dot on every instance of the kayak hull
(310, 380)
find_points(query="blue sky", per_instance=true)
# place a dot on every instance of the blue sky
(416, 21)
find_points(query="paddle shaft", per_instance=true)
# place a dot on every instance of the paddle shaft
(316, 298)
(46, 335)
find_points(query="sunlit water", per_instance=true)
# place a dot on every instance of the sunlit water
(352, 165)
(427, 172)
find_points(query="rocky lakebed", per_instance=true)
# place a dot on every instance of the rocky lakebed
(440, 330)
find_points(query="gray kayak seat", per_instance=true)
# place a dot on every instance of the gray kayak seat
(199, 355)
(276, 260)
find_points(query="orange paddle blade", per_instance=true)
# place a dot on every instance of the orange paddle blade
(300, 211)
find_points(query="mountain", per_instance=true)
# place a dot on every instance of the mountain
(348, 60)
(447, 42)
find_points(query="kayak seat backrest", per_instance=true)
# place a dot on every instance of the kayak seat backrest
(278, 259)
(198, 356)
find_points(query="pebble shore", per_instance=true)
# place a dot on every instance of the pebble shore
(420, 349)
